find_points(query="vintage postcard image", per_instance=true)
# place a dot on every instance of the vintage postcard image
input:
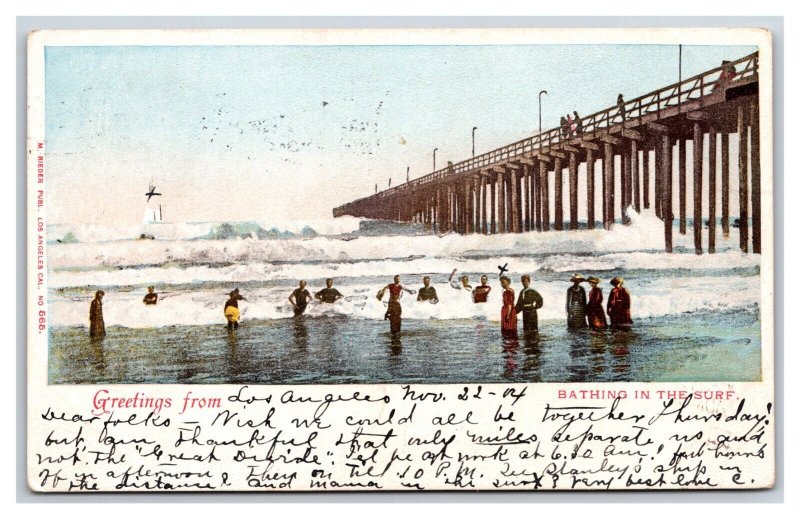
(400, 260)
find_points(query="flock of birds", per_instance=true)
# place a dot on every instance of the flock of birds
(282, 137)
(279, 136)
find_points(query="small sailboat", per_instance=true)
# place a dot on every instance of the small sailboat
(151, 215)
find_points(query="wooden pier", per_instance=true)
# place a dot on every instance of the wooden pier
(508, 190)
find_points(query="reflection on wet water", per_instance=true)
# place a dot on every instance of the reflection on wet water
(340, 350)
(97, 355)
(300, 333)
(532, 359)
(620, 342)
(395, 344)
(510, 347)
(600, 355)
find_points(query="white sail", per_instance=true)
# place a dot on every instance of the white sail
(150, 215)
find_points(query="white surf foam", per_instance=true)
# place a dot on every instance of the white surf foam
(650, 298)
(644, 235)
(271, 263)
(92, 233)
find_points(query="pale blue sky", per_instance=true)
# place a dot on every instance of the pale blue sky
(280, 132)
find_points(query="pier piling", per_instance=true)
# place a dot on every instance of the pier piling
(573, 191)
(666, 187)
(712, 190)
(697, 174)
(755, 167)
(682, 184)
(559, 196)
(590, 188)
(741, 129)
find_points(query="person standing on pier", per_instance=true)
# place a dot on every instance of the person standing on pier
(300, 298)
(726, 75)
(508, 314)
(564, 127)
(576, 304)
(594, 308)
(480, 294)
(621, 107)
(529, 301)
(619, 306)
(394, 311)
(328, 294)
(577, 124)
(427, 292)
(97, 327)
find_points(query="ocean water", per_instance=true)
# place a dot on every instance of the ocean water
(696, 317)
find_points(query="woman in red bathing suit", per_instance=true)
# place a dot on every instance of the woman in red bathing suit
(619, 306)
(508, 314)
(394, 312)
(595, 314)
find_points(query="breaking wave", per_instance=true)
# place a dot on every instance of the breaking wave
(194, 266)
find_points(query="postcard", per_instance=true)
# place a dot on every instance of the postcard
(408, 260)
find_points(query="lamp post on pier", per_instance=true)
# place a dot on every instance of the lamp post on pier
(473, 139)
(434, 158)
(540, 116)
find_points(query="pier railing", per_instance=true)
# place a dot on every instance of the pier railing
(599, 123)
